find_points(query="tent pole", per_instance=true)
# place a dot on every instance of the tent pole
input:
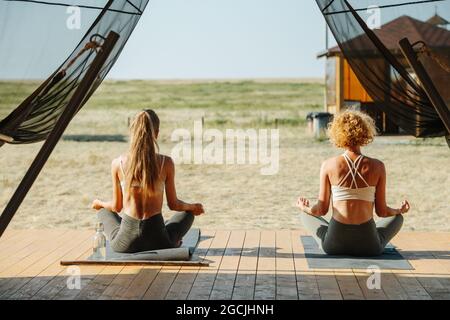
(426, 82)
(54, 136)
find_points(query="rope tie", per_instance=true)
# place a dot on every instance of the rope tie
(92, 45)
(424, 50)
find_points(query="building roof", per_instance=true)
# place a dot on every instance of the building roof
(404, 26)
(437, 20)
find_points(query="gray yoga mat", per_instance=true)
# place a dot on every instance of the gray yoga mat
(317, 259)
(175, 256)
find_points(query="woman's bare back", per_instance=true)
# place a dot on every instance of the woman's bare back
(135, 203)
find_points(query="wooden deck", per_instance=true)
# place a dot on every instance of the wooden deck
(243, 265)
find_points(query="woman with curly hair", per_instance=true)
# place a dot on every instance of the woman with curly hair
(357, 185)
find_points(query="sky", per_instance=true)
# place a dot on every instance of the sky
(184, 39)
(175, 39)
(190, 39)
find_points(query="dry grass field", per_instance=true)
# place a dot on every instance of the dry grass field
(234, 196)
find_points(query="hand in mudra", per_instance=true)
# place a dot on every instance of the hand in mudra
(197, 209)
(404, 208)
(302, 203)
(97, 204)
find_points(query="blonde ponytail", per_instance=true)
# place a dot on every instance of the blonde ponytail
(143, 165)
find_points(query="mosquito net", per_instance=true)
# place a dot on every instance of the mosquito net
(50, 45)
(367, 34)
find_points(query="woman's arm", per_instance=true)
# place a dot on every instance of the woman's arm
(116, 204)
(323, 202)
(381, 208)
(173, 202)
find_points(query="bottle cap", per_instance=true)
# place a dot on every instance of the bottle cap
(99, 226)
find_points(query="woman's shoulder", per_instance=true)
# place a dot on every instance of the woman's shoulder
(119, 161)
(331, 161)
(164, 158)
(339, 160)
(166, 161)
(374, 162)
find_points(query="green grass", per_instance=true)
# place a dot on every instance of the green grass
(246, 96)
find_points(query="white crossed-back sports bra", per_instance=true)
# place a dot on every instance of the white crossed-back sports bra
(135, 184)
(366, 193)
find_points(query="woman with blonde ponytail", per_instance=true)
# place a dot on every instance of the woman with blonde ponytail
(139, 180)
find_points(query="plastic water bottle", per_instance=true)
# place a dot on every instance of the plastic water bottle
(99, 251)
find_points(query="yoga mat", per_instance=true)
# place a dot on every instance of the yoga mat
(175, 256)
(317, 259)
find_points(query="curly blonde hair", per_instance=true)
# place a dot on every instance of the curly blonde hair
(351, 129)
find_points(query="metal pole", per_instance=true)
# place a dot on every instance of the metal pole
(58, 130)
(426, 82)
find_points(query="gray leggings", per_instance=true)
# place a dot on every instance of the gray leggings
(129, 235)
(367, 239)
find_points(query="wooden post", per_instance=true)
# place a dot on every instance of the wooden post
(426, 82)
(54, 136)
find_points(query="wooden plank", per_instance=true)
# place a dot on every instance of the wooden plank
(120, 284)
(407, 278)
(162, 283)
(182, 284)
(24, 247)
(185, 278)
(391, 287)
(265, 286)
(436, 288)
(244, 287)
(410, 285)
(42, 270)
(55, 270)
(417, 248)
(307, 286)
(9, 233)
(285, 270)
(10, 237)
(141, 283)
(226, 276)
(204, 281)
(438, 245)
(94, 288)
(35, 252)
(165, 279)
(423, 250)
(348, 285)
(328, 285)
(57, 287)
